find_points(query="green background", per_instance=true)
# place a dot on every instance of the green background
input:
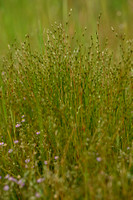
(19, 17)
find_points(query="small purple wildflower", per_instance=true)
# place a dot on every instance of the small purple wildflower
(12, 179)
(16, 141)
(0, 177)
(45, 162)
(1, 143)
(38, 132)
(10, 151)
(40, 180)
(56, 157)
(128, 148)
(99, 159)
(18, 125)
(21, 183)
(37, 195)
(7, 176)
(23, 120)
(27, 160)
(23, 116)
(6, 188)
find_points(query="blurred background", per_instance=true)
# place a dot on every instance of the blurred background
(19, 17)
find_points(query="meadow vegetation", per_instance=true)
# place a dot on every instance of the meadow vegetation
(66, 117)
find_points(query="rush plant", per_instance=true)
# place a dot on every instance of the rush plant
(66, 119)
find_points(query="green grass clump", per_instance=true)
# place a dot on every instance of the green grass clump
(66, 120)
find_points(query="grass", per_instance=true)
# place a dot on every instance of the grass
(66, 119)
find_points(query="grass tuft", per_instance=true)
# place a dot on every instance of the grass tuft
(66, 119)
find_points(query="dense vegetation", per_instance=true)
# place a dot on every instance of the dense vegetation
(65, 120)
(66, 115)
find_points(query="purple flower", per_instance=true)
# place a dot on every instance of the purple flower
(21, 183)
(12, 179)
(99, 159)
(45, 162)
(128, 148)
(27, 160)
(1, 143)
(56, 157)
(10, 151)
(18, 125)
(6, 188)
(16, 141)
(23, 116)
(38, 132)
(37, 195)
(7, 176)
(0, 177)
(23, 120)
(40, 180)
